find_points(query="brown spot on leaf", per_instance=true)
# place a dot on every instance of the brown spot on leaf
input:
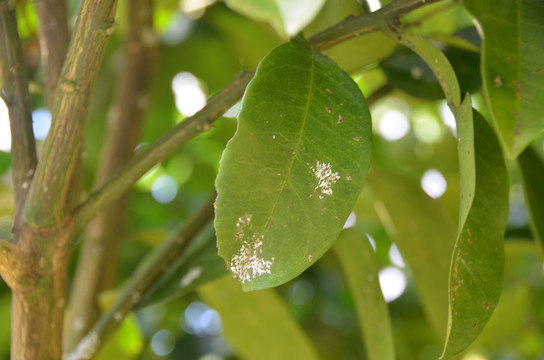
(535, 71)
(348, 177)
(340, 119)
(310, 257)
(329, 109)
(356, 138)
(497, 81)
(329, 91)
(469, 232)
(474, 325)
(470, 241)
(486, 305)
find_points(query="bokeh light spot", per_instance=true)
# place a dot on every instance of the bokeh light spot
(164, 189)
(434, 183)
(392, 282)
(5, 132)
(163, 342)
(41, 122)
(189, 94)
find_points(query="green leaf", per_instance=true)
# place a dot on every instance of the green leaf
(532, 169)
(512, 68)
(424, 233)
(361, 271)
(437, 61)
(477, 266)
(408, 72)
(288, 17)
(291, 174)
(258, 324)
(198, 265)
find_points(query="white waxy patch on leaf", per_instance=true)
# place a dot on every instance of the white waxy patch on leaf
(325, 178)
(248, 263)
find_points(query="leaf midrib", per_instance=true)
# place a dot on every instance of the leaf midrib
(298, 144)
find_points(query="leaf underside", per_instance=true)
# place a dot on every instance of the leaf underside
(477, 266)
(289, 177)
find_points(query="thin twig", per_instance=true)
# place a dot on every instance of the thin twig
(145, 275)
(48, 197)
(54, 38)
(17, 99)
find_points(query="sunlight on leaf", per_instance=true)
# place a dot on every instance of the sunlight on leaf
(286, 16)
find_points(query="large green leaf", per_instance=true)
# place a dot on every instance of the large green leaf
(291, 174)
(361, 271)
(532, 169)
(477, 266)
(513, 67)
(425, 235)
(288, 17)
(258, 324)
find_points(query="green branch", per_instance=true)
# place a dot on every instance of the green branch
(160, 150)
(17, 98)
(97, 270)
(48, 197)
(145, 275)
(356, 26)
(54, 38)
(202, 121)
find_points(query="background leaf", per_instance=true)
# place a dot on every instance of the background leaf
(257, 324)
(424, 233)
(361, 271)
(512, 68)
(291, 174)
(532, 169)
(477, 267)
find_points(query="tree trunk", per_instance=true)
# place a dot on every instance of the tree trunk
(38, 300)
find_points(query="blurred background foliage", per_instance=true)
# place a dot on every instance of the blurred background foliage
(203, 45)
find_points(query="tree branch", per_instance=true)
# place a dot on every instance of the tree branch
(11, 264)
(201, 121)
(17, 98)
(46, 203)
(161, 149)
(356, 26)
(97, 264)
(54, 38)
(145, 275)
